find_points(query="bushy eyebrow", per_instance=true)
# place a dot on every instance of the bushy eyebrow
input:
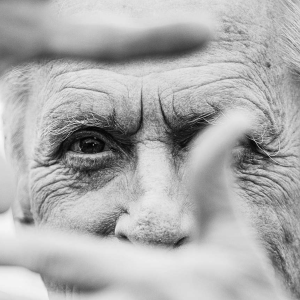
(188, 126)
(60, 128)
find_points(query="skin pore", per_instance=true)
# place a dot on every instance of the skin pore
(104, 147)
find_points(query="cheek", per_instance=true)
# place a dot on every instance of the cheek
(269, 197)
(67, 200)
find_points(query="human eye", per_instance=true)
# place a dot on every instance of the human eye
(88, 143)
(90, 149)
(248, 151)
(243, 152)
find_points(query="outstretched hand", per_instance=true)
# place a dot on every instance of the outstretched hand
(224, 261)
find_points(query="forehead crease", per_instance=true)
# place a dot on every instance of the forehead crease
(209, 89)
(84, 93)
(84, 74)
(67, 116)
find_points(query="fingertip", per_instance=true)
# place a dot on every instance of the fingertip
(190, 30)
(210, 173)
(241, 121)
(220, 138)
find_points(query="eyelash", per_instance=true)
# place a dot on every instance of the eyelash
(250, 152)
(90, 162)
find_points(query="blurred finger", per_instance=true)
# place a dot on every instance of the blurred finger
(79, 261)
(111, 42)
(29, 29)
(211, 175)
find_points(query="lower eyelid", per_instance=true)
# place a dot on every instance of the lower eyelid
(89, 161)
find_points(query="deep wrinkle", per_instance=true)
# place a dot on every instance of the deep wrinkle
(65, 127)
(82, 203)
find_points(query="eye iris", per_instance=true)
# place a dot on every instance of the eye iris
(91, 145)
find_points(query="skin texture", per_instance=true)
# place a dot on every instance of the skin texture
(214, 266)
(148, 112)
(30, 30)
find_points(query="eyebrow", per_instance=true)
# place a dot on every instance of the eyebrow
(59, 129)
(190, 125)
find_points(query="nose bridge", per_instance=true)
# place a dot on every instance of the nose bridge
(157, 214)
(154, 171)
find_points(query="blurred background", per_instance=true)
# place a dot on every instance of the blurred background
(18, 283)
(15, 283)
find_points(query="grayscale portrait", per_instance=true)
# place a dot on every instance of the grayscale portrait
(155, 147)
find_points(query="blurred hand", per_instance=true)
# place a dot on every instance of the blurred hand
(223, 263)
(29, 29)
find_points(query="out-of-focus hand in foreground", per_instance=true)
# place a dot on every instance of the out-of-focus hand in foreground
(29, 29)
(224, 262)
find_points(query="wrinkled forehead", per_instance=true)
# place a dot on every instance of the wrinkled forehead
(245, 38)
(238, 64)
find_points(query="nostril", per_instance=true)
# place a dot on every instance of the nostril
(180, 242)
(123, 237)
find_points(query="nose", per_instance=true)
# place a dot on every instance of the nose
(158, 215)
(154, 223)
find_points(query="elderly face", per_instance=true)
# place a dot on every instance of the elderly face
(102, 149)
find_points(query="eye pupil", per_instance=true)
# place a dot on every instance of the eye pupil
(91, 145)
